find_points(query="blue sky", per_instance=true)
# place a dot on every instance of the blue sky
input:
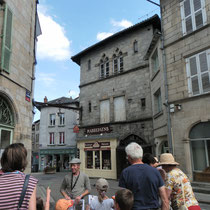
(69, 27)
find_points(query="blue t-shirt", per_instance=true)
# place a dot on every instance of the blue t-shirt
(144, 181)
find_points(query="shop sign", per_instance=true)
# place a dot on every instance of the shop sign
(28, 96)
(76, 129)
(98, 130)
(97, 144)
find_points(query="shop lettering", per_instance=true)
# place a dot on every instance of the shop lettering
(98, 130)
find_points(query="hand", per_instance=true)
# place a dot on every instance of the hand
(67, 197)
(77, 199)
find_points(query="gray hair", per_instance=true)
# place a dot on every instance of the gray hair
(134, 150)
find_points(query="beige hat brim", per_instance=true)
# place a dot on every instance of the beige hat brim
(169, 163)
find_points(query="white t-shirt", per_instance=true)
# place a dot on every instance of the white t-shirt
(107, 204)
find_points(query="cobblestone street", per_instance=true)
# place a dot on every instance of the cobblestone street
(54, 182)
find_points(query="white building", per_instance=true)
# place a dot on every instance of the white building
(57, 145)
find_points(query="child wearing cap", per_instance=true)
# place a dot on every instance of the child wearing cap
(103, 202)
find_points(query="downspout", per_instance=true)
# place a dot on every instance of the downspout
(170, 143)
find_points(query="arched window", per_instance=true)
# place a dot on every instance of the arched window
(104, 67)
(6, 124)
(200, 145)
(118, 65)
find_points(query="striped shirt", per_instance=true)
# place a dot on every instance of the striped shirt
(11, 185)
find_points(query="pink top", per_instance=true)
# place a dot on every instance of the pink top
(11, 185)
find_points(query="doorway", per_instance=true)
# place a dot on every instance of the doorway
(122, 162)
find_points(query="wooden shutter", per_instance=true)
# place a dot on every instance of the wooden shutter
(7, 37)
(119, 108)
(204, 72)
(198, 13)
(104, 111)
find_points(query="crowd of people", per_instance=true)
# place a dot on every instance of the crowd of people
(147, 184)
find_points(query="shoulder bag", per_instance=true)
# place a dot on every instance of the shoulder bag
(25, 185)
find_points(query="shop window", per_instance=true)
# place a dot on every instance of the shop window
(198, 72)
(52, 119)
(89, 159)
(119, 109)
(62, 118)
(200, 144)
(105, 111)
(193, 15)
(106, 159)
(97, 159)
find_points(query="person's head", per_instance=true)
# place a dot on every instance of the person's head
(14, 158)
(168, 162)
(150, 160)
(133, 151)
(101, 186)
(75, 165)
(123, 199)
(39, 204)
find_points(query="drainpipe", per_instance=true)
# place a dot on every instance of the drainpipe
(165, 82)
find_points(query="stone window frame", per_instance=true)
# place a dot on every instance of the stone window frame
(118, 63)
(155, 64)
(192, 15)
(51, 138)
(104, 67)
(135, 46)
(61, 140)
(158, 101)
(194, 66)
(89, 64)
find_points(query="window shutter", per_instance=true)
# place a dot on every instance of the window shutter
(7, 36)
(195, 85)
(197, 5)
(187, 10)
(198, 19)
(104, 111)
(193, 66)
(203, 62)
(205, 82)
(119, 109)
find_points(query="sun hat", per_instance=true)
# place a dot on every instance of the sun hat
(102, 184)
(75, 161)
(63, 204)
(167, 159)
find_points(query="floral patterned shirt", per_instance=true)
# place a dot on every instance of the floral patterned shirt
(177, 182)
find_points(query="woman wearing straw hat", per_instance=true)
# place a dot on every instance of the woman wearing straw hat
(178, 186)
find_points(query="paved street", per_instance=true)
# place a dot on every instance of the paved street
(54, 181)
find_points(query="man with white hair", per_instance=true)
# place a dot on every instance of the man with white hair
(143, 180)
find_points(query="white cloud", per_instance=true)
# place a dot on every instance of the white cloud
(118, 25)
(46, 79)
(121, 24)
(103, 35)
(73, 94)
(53, 43)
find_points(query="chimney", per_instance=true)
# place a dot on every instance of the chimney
(45, 99)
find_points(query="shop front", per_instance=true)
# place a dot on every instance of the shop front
(98, 157)
(56, 158)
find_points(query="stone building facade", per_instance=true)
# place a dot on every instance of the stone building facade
(115, 99)
(186, 29)
(57, 145)
(18, 38)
